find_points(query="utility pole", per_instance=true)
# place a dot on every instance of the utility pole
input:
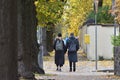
(96, 10)
(113, 8)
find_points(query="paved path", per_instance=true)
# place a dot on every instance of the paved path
(85, 71)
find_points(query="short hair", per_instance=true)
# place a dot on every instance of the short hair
(59, 35)
(71, 34)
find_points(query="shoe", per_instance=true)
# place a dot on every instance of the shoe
(57, 69)
(74, 69)
(70, 69)
(60, 70)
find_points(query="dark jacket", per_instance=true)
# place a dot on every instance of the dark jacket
(64, 47)
(72, 55)
(59, 54)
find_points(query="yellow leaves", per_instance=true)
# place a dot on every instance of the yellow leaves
(116, 11)
(36, 3)
(107, 2)
(52, 0)
(105, 63)
(48, 11)
(78, 10)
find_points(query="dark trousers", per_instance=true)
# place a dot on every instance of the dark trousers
(72, 64)
(59, 65)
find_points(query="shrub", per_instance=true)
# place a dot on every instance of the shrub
(116, 40)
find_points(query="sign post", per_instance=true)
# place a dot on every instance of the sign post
(96, 10)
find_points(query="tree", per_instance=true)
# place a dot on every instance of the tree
(27, 40)
(116, 39)
(75, 13)
(8, 40)
(100, 3)
(49, 13)
(50, 38)
(103, 15)
(117, 11)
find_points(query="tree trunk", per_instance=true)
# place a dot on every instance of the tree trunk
(100, 3)
(27, 39)
(50, 39)
(43, 42)
(24, 41)
(117, 60)
(8, 40)
(35, 45)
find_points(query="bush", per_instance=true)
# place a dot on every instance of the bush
(116, 40)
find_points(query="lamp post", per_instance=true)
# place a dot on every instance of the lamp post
(96, 9)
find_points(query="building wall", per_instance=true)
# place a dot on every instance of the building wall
(91, 46)
(83, 31)
(104, 42)
(104, 46)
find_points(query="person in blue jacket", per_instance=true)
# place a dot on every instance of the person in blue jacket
(72, 45)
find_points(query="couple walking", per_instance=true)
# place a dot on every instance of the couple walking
(72, 46)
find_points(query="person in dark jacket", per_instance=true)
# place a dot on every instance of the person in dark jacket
(60, 50)
(72, 45)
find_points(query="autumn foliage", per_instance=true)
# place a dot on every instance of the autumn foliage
(117, 11)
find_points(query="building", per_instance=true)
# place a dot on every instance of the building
(101, 39)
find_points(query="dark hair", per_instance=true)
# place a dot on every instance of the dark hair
(59, 35)
(71, 34)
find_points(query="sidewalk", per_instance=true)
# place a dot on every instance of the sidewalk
(85, 70)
